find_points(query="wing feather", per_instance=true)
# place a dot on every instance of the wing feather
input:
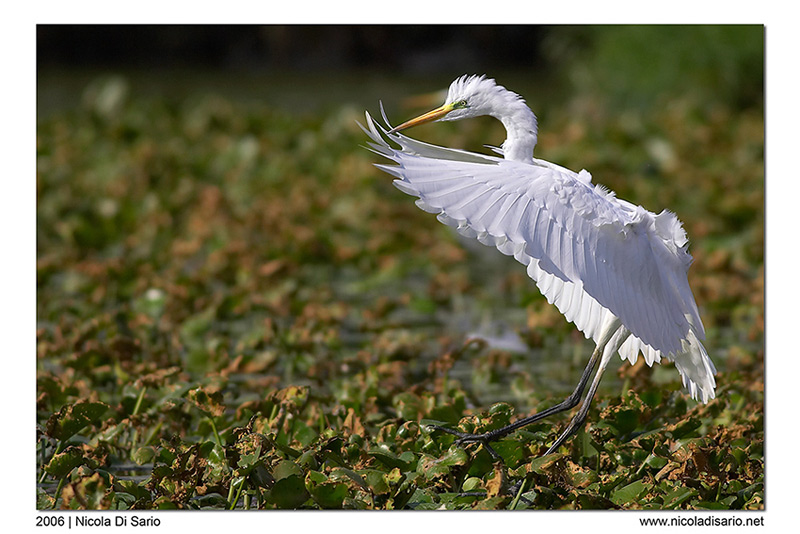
(589, 253)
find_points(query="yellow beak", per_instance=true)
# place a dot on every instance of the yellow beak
(432, 115)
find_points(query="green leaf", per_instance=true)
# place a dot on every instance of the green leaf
(656, 462)
(326, 493)
(330, 495)
(385, 456)
(678, 496)
(43, 500)
(211, 500)
(472, 484)
(625, 421)
(542, 464)
(217, 461)
(343, 472)
(62, 463)
(247, 462)
(422, 499)
(431, 466)
(686, 428)
(593, 502)
(409, 406)
(289, 492)
(628, 493)
(444, 414)
(304, 434)
(376, 480)
(94, 491)
(132, 488)
(143, 455)
(316, 477)
(511, 450)
(722, 504)
(286, 468)
(73, 418)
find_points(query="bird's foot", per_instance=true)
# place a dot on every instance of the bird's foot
(465, 438)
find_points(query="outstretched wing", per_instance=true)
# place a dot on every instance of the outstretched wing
(587, 250)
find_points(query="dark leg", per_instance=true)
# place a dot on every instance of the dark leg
(580, 417)
(611, 339)
(567, 404)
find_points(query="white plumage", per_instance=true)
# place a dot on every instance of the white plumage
(599, 259)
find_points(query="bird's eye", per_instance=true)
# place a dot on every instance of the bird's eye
(460, 104)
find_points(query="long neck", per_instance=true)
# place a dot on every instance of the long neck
(521, 131)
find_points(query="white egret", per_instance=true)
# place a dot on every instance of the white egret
(616, 270)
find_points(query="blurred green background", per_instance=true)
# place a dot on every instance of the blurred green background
(210, 232)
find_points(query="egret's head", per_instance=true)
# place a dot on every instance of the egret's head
(468, 96)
